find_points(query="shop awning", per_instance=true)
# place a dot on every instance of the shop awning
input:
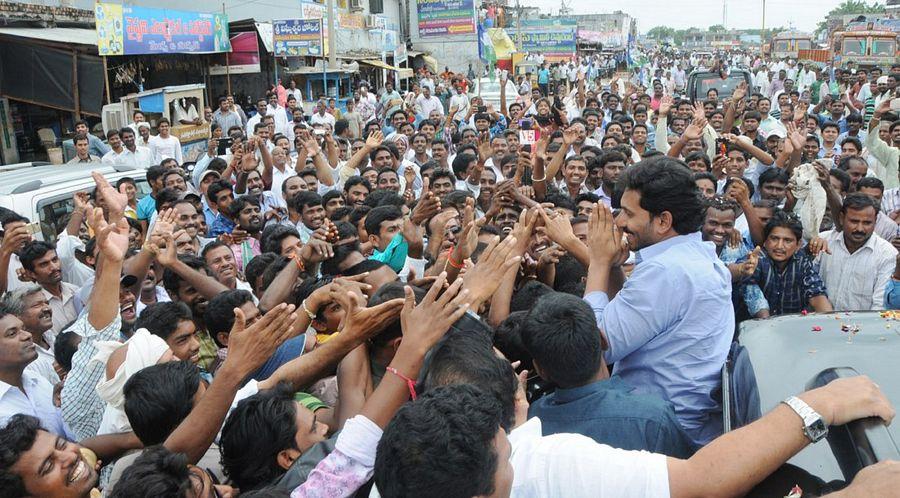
(77, 36)
(381, 65)
(49, 67)
(265, 32)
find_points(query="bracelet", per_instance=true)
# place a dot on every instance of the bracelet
(538, 180)
(310, 314)
(458, 266)
(410, 384)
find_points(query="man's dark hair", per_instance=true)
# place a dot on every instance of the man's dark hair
(698, 156)
(259, 428)
(461, 163)
(155, 172)
(15, 439)
(465, 357)
(219, 314)
(340, 126)
(853, 140)
(561, 201)
(257, 266)
(527, 295)
(843, 177)
(303, 199)
(212, 191)
(665, 184)
(379, 215)
(32, 251)
(705, 175)
(166, 196)
(857, 202)
(272, 235)
(870, 182)
(162, 319)
(172, 280)
(587, 196)
(561, 335)
(356, 180)
(211, 246)
(783, 219)
(156, 472)
(160, 397)
(440, 445)
(239, 203)
(770, 175)
(65, 347)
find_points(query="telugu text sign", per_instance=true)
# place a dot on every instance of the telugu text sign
(446, 17)
(125, 30)
(297, 37)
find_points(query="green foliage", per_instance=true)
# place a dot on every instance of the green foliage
(850, 7)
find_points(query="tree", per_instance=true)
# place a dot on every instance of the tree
(661, 33)
(849, 7)
(717, 28)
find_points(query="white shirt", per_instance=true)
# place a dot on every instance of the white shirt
(575, 466)
(324, 119)
(461, 102)
(37, 401)
(282, 123)
(43, 365)
(182, 114)
(856, 281)
(63, 307)
(297, 94)
(164, 148)
(278, 178)
(427, 105)
(251, 124)
(140, 158)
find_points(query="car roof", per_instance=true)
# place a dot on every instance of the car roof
(787, 353)
(30, 179)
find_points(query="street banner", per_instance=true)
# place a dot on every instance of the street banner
(446, 17)
(297, 37)
(128, 30)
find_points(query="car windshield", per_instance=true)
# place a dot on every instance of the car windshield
(725, 87)
(883, 47)
(854, 46)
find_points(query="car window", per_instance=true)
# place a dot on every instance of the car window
(854, 46)
(55, 211)
(725, 87)
(883, 47)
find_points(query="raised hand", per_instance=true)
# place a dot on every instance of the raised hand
(375, 139)
(249, 347)
(816, 246)
(604, 239)
(556, 226)
(362, 321)
(112, 238)
(484, 278)
(695, 130)
(665, 105)
(425, 324)
(570, 136)
(749, 266)
(115, 201)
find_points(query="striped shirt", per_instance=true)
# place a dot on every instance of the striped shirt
(788, 290)
(856, 281)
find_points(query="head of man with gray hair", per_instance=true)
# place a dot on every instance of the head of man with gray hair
(30, 305)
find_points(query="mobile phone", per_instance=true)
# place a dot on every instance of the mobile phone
(320, 132)
(225, 144)
(525, 124)
(482, 108)
(526, 148)
(720, 146)
(33, 227)
(542, 120)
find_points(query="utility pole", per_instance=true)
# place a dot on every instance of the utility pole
(518, 26)
(332, 37)
(762, 33)
(725, 14)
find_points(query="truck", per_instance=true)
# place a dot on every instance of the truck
(866, 48)
(788, 44)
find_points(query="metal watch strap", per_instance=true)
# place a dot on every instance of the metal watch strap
(805, 412)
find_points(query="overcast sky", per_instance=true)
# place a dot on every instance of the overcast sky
(801, 14)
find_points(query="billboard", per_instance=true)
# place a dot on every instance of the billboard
(554, 38)
(446, 17)
(243, 59)
(127, 30)
(297, 37)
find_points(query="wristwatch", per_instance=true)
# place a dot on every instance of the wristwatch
(813, 425)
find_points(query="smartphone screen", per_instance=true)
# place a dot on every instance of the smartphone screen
(224, 146)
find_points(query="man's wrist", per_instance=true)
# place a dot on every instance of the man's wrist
(819, 400)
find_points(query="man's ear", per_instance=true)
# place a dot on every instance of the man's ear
(286, 458)
(223, 338)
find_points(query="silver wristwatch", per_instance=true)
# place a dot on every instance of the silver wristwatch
(813, 425)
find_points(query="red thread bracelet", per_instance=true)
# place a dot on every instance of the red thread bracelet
(458, 266)
(411, 384)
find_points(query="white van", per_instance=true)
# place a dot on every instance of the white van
(44, 193)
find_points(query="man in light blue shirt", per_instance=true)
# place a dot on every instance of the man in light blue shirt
(670, 326)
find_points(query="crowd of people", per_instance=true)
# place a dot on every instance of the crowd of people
(430, 294)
